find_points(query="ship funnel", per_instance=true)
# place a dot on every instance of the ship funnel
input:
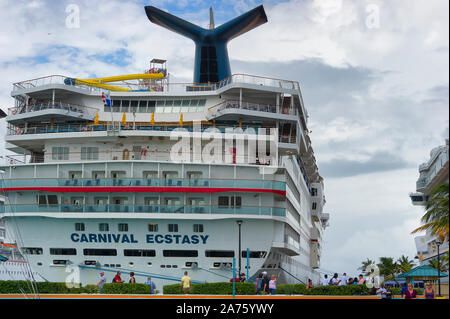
(211, 55)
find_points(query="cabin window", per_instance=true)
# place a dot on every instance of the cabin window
(173, 228)
(219, 253)
(89, 153)
(123, 227)
(153, 227)
(254, 254)
(99, 252)
(198, 228)
(103, 227)
(60, 153)
(139, 252)
(180, 253)
(79, 227)
(314, 206)
(32, 250)
(63, 251)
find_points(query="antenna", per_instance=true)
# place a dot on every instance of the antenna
(211, 55)
(211, 18)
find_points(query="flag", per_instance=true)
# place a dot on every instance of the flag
(124, 118)
(106, 99)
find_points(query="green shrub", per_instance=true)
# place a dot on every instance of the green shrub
(291, 289)
(125, 288)
(397, 291)
(20, 286)
(348, 290)
(216, 288)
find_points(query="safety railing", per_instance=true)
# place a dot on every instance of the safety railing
(167, 87)
(50, 105)
(143, 182)
(249, 106)
(177, 209)
(62, 155)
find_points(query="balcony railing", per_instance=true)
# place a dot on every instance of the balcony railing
(167, 87)
(142, 154)
(215, 110)
(139, 182)
(49, 105)
(243, 210)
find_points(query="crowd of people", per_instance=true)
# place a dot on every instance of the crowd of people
(265, 285)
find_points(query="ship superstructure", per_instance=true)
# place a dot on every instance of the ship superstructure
(103, 180)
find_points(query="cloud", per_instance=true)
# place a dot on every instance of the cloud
(378, 162)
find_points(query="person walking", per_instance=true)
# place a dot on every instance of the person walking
(265, 283)
(102, 281)
(258, 284)
(361, 280)
(117, 279)
(310, 284)
(132, 279)
(404, 288)
(325, 281)
(273, 285)
(334, 281)
(344, 279)
(428, 292)
(242, 278)
(186, 283)
(410, 293)
(355, 281)
(151, 284)
(389, 292)
(382, 292)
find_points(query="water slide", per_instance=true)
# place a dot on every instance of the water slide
(100, 82)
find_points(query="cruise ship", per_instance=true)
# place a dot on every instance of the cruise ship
(134, 173)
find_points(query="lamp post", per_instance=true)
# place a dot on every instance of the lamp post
(239, 222)
(438, 243)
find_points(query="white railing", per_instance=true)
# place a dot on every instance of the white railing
(49, 105)
(249, 106)
(167, 87)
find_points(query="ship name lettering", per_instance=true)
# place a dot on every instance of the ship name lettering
(105, 238)
(176, 239)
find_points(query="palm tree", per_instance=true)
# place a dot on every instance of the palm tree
(434, 263)
(366, 264)
(437, 212)
(404, 264)
(388, 268)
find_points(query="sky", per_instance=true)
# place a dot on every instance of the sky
(373, 74)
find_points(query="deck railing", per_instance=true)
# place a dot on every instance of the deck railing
(49, 105)
(249, 106)
(177, 209)
(168, 87)
(143, 182)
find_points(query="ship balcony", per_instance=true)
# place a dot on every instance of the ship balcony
(250, 109)
(147, 209)
(40, 112)
(149, 182)
(240, 80)
(421, 184)
(417, 199)
(324, 218)
(289, 246)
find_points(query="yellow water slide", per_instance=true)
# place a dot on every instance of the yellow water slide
(100, 82)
